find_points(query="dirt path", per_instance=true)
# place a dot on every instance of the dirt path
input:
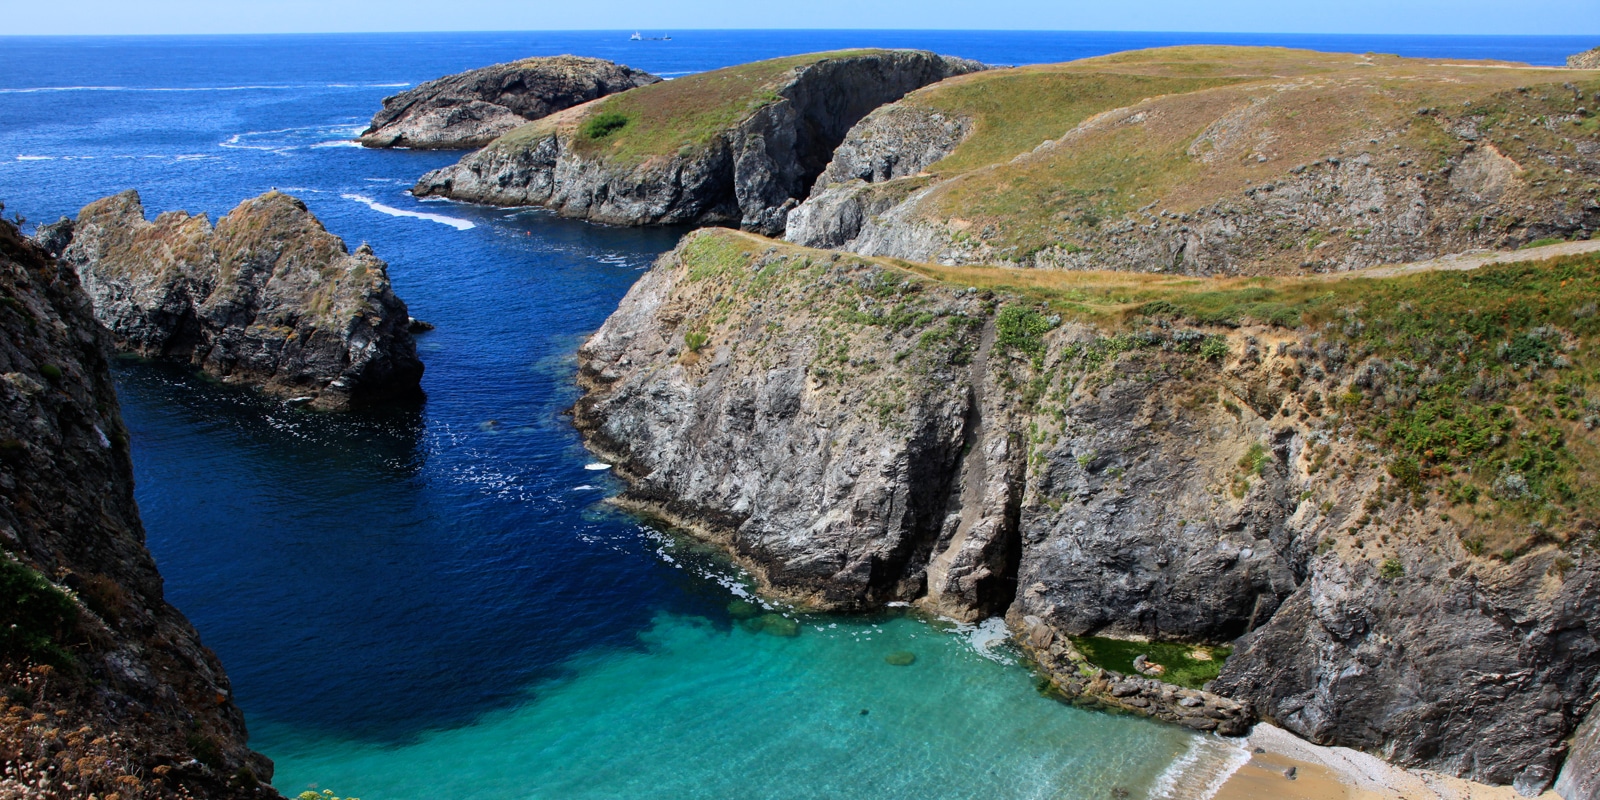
(1472, 259)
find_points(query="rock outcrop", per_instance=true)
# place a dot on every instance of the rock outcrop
(109, 689)
(468, 110)
(857, 434)
(1233, 174)
(1588, 59)
(267, 298)
(739, 146)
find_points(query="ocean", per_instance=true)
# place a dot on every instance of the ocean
(435, 602)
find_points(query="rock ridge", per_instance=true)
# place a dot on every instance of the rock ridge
(266, 298)
(470, 109)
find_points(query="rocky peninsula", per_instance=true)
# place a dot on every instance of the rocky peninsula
(470, 109)
(736, 146)
(267, 298)
(109, 690)
(1216, 161)
(1374, 489)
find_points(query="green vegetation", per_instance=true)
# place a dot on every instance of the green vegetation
(36, 618)
(695, 340)
(1391, 569)
(1182, 666)
(604, 124)
(1023, 329)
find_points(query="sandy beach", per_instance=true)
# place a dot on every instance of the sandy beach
(1339, 773)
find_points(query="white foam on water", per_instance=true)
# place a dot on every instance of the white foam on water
(584, 488)
(596, 466)
(337, 143)
(458, 224)
(244, 88)
(1201, 771)
(36, 158)
(985, 636)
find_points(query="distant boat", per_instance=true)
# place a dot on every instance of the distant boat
(635, 37)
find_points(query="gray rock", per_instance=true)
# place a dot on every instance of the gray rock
(267, 298)
(471, 109)
(751, 173)
(1580, 776)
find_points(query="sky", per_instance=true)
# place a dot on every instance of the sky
(1566, 17)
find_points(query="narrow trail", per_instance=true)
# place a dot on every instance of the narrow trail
(1472, 259)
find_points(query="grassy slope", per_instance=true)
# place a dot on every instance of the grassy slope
(672, 116)
(1490, 373)
(1216, 120)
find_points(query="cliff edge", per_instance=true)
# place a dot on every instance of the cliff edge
(109, 691)
(470, 109)
(737, 146)
(267, 298)
(1380, 490)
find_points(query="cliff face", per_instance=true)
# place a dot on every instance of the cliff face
(858, 434)
(1580, 777)
(110, 691)
(1138, 169)
(737, 146)
(470, 109)
(267, 298)
(1588, 59)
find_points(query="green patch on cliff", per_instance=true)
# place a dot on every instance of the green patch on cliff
(1185, 665)
(36, 618)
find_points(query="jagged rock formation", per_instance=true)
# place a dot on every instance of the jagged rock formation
(471, 109)
(734, 146)
(1588, 59)
(1218, 161)
(857, 434)
(109, 690)
(267, 298)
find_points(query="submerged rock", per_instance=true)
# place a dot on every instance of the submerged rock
(103, 677)
(740, 145)
(470, 109)
(900, 658)
(267, 298)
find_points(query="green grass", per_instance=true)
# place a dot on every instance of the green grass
(35, 617)
(1117, 655)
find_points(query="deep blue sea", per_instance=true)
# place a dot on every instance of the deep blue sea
(435, 603)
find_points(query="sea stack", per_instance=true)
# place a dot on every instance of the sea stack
(468, 110)
(109, 690)
(266, 298)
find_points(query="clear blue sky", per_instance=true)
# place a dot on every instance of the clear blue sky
(1253, 16)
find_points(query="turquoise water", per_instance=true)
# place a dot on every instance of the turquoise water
(708, 709)
(435, 602)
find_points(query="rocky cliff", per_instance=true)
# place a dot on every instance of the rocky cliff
(1580, 776)
(267, 298)
(109, 691)
(735, 146)
(471, 109)
(1588, 59)
(1380, 490)
(1218, 161)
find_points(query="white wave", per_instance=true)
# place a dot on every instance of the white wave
(337, 143)
(584, 488)
(36, 158)
(244, 88)
(458, 224)
(1209, 762)
(596, 466)
(985, 636)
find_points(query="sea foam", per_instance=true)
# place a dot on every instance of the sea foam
(458, 224)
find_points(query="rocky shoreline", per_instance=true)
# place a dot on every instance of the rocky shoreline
(109, 690)
(961, 451)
